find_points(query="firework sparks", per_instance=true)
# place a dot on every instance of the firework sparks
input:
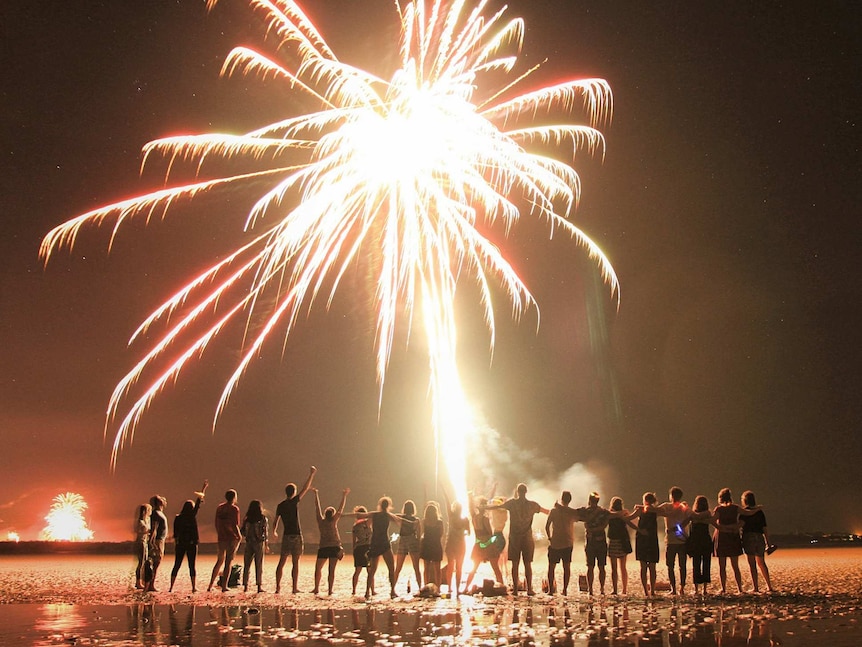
(417, 174)
(66, 519)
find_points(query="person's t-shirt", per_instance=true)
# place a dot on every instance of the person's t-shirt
(158, 525)
(754, 523)
(521, 513)
(676, 516)
(227, 521)
(288, 511)
(562, 520)
(595, 520)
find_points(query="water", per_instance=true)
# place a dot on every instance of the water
(87, 600)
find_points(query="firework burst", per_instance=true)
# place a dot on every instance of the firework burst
(66, 519)
(417, 174)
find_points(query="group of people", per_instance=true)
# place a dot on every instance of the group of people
(726, 531)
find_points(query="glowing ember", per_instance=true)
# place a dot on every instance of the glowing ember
(414, 179)
(66, 519)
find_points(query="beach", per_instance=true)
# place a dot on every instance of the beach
(90, 600)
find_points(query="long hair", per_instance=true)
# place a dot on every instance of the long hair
(254, 512)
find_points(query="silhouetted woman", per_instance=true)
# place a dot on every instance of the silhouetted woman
(330, 547)
(699, 544)
(186, 537)
(255, 530)
(142, 540)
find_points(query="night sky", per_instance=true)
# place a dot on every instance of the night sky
(728, 202)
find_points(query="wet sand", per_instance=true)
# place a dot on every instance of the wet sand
(89, 600)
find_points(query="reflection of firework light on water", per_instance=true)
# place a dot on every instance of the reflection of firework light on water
(66, 519)
(416, 175)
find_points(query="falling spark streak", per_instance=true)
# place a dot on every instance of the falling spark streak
(418, 170)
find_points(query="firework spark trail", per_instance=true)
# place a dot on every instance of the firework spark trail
(415, 175)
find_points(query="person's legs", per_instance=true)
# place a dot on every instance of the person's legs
(552, 565)
(294, 569)
(644, 579)
(248, 557)
(683, 567)
(652, 579)
(179, 553)
(356, 571)
(614, 573)
(228, 562)
(624, 574)
(734, 562)
(516, 564)
(318, 570)
(258, 567)
(192, 555)
(591, 564)
(669, 558)
(390, 565)
(279, 570)
(752, 567)
(399, 564)
(414, 557)
(333, 562)
(602, 575)
(141, 554)
(761, 561)
(372, 570)
(219, 561)
(722, 572)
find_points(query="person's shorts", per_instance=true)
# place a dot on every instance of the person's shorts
(560, 555)
(330, 552)
(408, 545)
(376, 550)
(228, 546)
(157, 550)
(521, 547)
(753, 544)
(672, 551)
(597, 553)
(292, 545)
(360, 556)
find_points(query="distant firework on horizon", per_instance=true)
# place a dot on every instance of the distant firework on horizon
(66, 519)
(418, 175)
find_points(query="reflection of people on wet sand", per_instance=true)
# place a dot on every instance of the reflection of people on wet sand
(142, 540)
(186, 537)
(255, 530)
(287, 513)
(158, 534)
(330, 547)
(227, 525)
(521, 543)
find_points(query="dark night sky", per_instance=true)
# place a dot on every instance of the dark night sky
(728, 203)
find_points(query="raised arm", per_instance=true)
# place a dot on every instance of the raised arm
(317, 503)
(308, 481)
(340, 510)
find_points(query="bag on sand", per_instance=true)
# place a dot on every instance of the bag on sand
(148, 571)
(234, 577)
